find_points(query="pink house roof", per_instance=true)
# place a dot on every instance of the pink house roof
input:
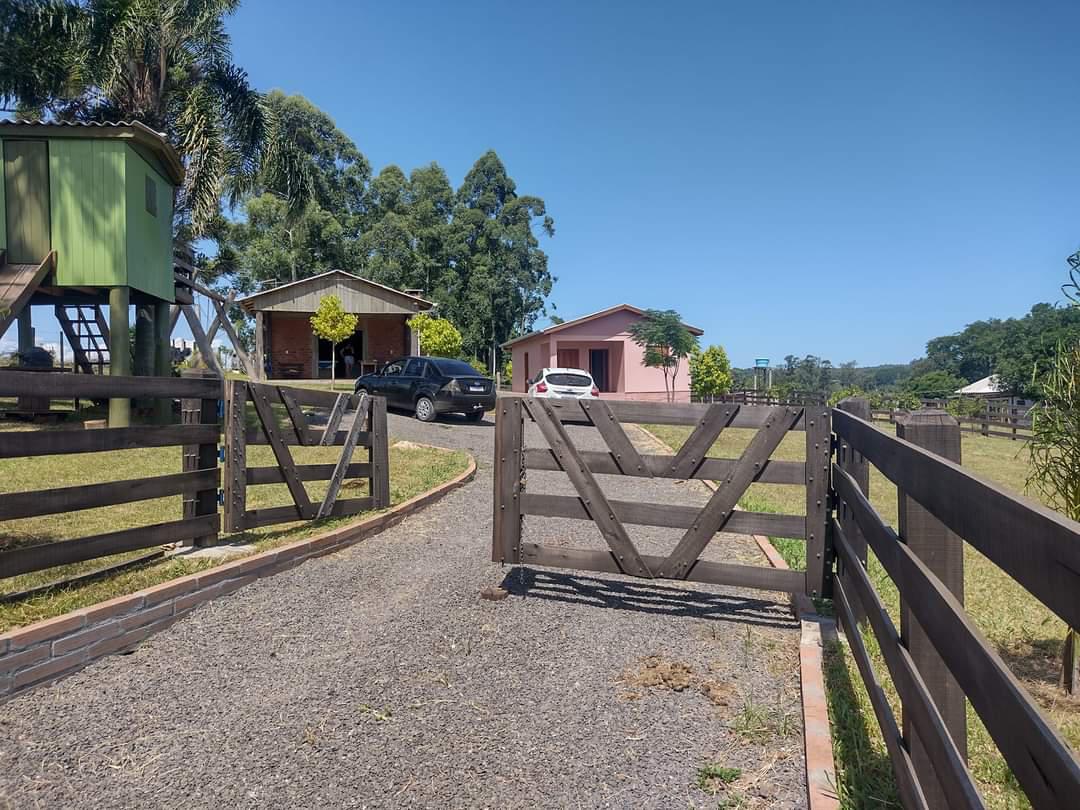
(585, 318)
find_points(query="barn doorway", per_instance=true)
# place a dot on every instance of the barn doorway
(355, 344)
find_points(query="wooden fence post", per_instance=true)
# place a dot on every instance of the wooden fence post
(235, 454)
(943, 553)
(506, 524)
(379, 453)
(200, 456)
(819, 550)
(853, 463)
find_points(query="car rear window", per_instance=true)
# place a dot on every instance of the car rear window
(569, 379)
(456, 368)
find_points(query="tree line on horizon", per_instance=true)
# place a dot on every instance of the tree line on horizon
(1019, 351)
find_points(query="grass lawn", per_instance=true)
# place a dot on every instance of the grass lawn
(413, 470)
(1027, 635)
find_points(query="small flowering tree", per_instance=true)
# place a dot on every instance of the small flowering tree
(331, 322)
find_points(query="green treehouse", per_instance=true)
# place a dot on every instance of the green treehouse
(87, 214)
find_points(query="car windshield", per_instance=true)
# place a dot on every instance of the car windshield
(569, 379)
(456, 368)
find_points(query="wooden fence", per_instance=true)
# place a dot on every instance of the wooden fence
(1014, 424)
(350, 421)
(197, 484)
(514, 499)
(938, 658)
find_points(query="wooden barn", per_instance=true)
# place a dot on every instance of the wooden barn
(286, 348)
(86, 220)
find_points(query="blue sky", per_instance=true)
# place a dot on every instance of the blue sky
(842, 178)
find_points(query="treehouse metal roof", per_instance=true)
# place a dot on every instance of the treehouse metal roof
(135, 131)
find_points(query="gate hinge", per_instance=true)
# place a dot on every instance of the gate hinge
(834, 444)
(221, 497)
(221, 409)
(221, 454)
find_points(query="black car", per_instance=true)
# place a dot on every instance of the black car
(429, 386)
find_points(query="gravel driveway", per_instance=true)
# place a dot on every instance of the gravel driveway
(376, 677)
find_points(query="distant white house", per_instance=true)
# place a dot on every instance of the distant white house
(986, 387)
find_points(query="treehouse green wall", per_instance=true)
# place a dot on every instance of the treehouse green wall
(102, 230)
(149, 235)
(86, 180)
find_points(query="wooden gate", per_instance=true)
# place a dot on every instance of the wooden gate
(513, 500)
(351, 421)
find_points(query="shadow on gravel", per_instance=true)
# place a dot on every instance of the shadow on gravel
(644, 596)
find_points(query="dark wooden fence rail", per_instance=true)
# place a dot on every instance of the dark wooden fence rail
(513, 500)
(939, 657)
(1014, 424)
(197, 483)
(366, 418)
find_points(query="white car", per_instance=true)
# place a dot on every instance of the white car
(563, 383)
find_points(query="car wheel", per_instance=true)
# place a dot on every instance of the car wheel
(475, 416)
(425, 409)
(360, 390)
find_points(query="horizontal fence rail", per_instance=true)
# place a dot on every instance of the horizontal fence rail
(196, 485)
(1039, 548)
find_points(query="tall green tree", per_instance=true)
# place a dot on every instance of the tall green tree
(666, 341)
(166, 63)
(503, 278)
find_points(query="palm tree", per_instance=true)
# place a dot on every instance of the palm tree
(166, 63)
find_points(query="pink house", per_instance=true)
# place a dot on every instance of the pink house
(599, 343)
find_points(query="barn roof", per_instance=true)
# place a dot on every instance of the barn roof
(134, 131)
(291, 296)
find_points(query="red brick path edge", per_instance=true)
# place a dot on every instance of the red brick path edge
(48, 650)
(821, 786)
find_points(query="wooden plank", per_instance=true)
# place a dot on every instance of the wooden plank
(818, 460)
(653, 514)
(1042, 761)
(943, 553)
(663, 413)
(255, 435)
(506, 521)
(722, 503)
(334, 420)
(611, 529)
(205, 349)
(61, 442)
(238, 347)
(625, 455)
(944, 757)
(25, 559)
(281, 452)
(287, 514)
(712, 469)
(236, 473)
(1036, 546)
(316, 398)
(305, 472)
(20, 282)
(16, 505)
(379, 455)
(65, 386)
(714, 573)
(342, 466)
(296, 416)
(694, 450)
(854, 463)
(907, 785)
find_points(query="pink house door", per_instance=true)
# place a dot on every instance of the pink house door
(567, 358)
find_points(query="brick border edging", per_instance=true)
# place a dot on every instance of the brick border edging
(46, 651)
(821, 784)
